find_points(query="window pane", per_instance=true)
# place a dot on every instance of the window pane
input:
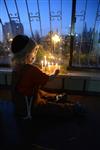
(86, 51)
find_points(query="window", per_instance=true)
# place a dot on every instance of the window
(68, 32)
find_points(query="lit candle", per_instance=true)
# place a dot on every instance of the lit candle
(56, 67)
(52, 63)
(45, 61)
(49, 66)
(42, 64)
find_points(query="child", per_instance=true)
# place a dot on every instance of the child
(27, 78)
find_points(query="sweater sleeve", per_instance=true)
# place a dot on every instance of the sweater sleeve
(40, 78)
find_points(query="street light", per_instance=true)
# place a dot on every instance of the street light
(11, 39)
(55, 39)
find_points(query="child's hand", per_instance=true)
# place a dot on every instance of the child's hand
(42, 102)
(57, 71)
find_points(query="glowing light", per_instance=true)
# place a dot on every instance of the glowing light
(56, 38)
(42, 64)
(49, 67)
(10, 40)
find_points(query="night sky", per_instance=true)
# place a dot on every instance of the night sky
(44, 13)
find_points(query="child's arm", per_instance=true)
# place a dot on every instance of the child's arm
(53, 76)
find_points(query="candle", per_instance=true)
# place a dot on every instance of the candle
(42, 64)
(49, 66)
(45, 61)
(52, 63)
(56, 66)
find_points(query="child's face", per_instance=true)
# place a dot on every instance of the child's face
(33, 55)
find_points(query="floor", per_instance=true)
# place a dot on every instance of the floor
(52, 132)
